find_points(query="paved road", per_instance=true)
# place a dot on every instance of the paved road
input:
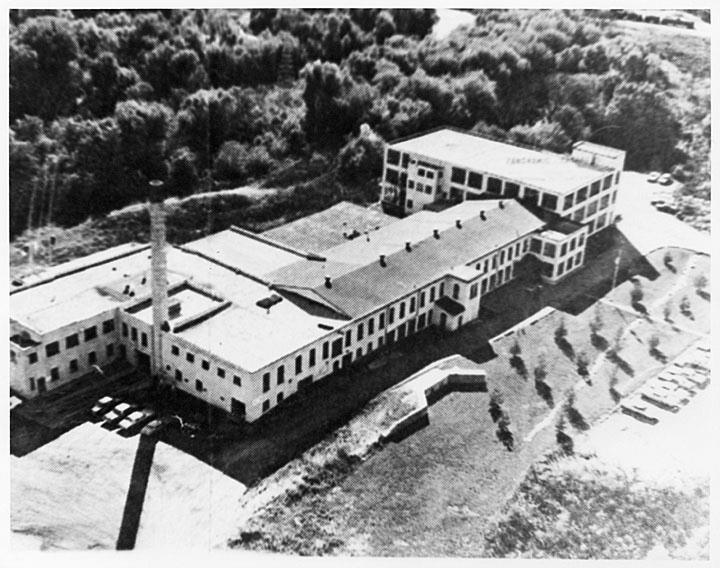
(645, 226)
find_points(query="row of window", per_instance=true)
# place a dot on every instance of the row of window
(592, 208)
(74, 364)
(73, 340)
(419, 187)
(498, 259)
(204, 364)
(582, 194)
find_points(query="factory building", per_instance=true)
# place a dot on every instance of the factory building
(244, 321)
(446, 166)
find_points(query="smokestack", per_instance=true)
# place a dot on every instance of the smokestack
(158, 271)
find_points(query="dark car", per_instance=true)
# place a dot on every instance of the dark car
(102, 406)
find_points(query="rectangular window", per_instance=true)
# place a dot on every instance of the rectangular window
(311, 358)
(125, 330)
(421, 172)
(337, 347)
(441, 293)
(486, 266)
(456, 291)
(510, 254)
(483, 286)
(412, 305)
(512, 190)
(74, 366)
(568, 203)
(266, 406)
(381, 321)
(144, 339)
(90, 333)
(32, 358)
(563, 249)
(592, 208)
(326, 350)
(473, 290)
(475, 180)
(579, 214)
(109, 350)
(391, 176)
(55, 374)
(199, 385)
(517, 249)
(458, 176)
(266, 382)
(175, 350)
(581, 195)
(205, 365)
(600, 221)
(281, 374)
(494, 185)
(238, 381)
(578, 259)
(617, 178)
(560, 268)
(549, 250)
(134, 334)
(421, 321)
(422, 299)
(360, 331)
(393, 157)
(535, 245)
(410, 204)
(549, 201)
(569, 262)
(92, 357)
(221, 373)
(594, 188)
(502, 257)
(607, 182)
(108, 326)
(405, 160)
(391, 316)
(432, 294)
(31, 380)
(494, 262)
(604, 201)
(411, 184)
(572, 244)
(531, 195)
(52, 348)
(348, 338)
(402, 310)
(178, 375)
(72, 341)
(298, 364)
(581, 239)
(614, 196)
(371, 326)
(280, 397)
(190, 357)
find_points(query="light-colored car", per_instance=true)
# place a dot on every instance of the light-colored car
(665, 179)
(134, 421)
(653, 177)
(102, 406)
(119, 412)
(640, 409)
(661, 399)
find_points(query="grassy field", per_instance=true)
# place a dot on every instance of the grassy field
(433, 493)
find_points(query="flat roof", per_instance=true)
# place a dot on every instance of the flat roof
(556, 173)
(242, 251)
(328, 228)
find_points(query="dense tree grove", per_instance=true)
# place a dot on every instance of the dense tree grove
(100, 101)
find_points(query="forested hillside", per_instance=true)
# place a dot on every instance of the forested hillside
(102, 101)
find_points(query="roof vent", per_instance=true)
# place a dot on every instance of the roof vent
(382, 260)
(436, 233)
(482, 215)
(408, 247)
(458, 224)
(126, 290)
(501, 205)
(328, 282)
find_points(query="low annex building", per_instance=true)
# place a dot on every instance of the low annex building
(243, 320)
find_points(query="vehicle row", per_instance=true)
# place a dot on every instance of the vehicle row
(129, 419)
(662, 179)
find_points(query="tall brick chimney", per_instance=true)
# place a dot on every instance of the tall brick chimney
(158, 271)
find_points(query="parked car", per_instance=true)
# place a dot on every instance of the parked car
(653, 177)
(639, 409)
(157, 425)
(117, 413)
(134, 421)
(665, 207)
(660, 399)
(665, 179)
(102, 406)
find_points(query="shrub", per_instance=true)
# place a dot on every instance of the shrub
(515, 349)
(653, 343)
(636, 294)
(560, 330)
(496, 402)
(700, 282)
(541, 369)
(667, 311)
(583, 361)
